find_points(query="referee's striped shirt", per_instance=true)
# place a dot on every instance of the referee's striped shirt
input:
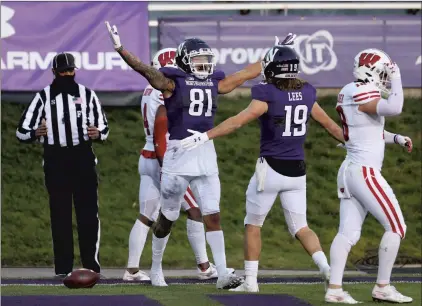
(67, 116)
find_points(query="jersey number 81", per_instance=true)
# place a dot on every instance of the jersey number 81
(197, 98)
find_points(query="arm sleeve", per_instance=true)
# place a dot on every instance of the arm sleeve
(100, 119)
(30, 120)
(394, 104)
(390, 137)
(160, 133)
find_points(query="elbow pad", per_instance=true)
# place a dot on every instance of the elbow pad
(394, 104)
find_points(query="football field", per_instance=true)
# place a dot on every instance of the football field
(286, 290)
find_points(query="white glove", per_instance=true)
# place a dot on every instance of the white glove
(196, 140)
(114, 36)
(393, 71)
(404, 141)
(287, 41)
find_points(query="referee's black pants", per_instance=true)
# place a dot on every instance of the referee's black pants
(70, 174)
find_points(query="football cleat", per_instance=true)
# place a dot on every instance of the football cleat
(229, 281)
(246, 287)
(211, 272)
(157, 279)
(339, 297)
(138, 276)
(389, 294)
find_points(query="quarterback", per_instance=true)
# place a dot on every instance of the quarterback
(361, 186)
(149, 167)
(283, 104)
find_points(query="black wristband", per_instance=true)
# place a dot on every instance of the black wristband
(395, 138)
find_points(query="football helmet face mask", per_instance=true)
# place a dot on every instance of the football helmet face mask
(370, 66)
(195, 57)
(280, 62)
(164, 58)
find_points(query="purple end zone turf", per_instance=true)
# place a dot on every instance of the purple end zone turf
(258, 299)
(79, 300)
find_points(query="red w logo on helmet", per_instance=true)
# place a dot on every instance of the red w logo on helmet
(368, 59)
(166, 58)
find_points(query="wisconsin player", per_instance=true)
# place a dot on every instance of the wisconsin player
(283, 105)
(149, 166)
(190, 95)
(361, 187)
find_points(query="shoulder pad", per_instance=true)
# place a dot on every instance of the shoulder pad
(218, 75)
(171, 72)
(364, 93)
(260, 92)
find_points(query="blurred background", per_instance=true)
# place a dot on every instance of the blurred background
(330, 34)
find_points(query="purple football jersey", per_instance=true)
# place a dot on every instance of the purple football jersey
(193, 103)
(284, 126)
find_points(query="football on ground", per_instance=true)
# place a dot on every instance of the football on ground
(81, 278)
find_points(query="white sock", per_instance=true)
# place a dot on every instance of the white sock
(158, 247)
(216, 241)
(320, 260)
(137, 238)
(334, 291)
(196, 236)
(387, 253)
(251, 271)
(339, 252)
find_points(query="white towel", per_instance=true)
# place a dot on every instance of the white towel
(261, 173)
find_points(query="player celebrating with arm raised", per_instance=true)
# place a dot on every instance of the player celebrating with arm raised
(361, 187)
(283, 105)
(190, 95)
(150, 161)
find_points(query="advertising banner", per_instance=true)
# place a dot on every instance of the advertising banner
(32, 33)
(326, 45)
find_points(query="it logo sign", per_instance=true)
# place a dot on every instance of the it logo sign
(6, 28)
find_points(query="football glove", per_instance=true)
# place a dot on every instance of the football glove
(393, 71)
(196, 140)
(114, 36)
(288, 41)
(404, 141)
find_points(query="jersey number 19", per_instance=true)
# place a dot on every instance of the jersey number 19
(300, 115)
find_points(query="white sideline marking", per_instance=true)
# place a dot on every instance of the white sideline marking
(184, 284)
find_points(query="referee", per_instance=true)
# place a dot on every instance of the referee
(66, 117)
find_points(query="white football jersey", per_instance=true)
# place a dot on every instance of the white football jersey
(151, 100)
(363, 133)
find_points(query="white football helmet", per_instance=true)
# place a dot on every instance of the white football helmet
(370, 66)
(164, 58)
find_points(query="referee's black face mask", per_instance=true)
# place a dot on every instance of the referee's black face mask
(67, 76)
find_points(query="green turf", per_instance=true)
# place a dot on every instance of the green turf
(26, 237)
(178, 295)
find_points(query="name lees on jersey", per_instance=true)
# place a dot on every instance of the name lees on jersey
(34, 60)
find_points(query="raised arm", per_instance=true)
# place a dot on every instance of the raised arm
(236, 79)
(250, 72)
(28, 130)
(394, 104)
(319, 115)
(157, 79)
